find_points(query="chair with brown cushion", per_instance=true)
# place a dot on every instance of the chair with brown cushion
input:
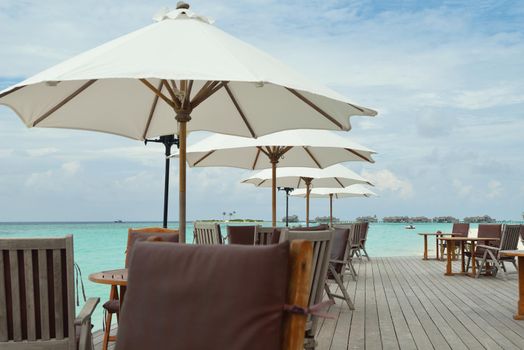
(484, 231)
(353, 246)
(37, 296)
(322, 241)
(207, 233)
(245, 235)
(134, 235)
(338, 263)
(230, 297)
(363, 236)
(509, 241)
(458, 230)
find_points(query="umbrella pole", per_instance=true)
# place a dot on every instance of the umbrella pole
(274, 191)
(287, 207)
(182, 135)
(331, 209)
(307, 181)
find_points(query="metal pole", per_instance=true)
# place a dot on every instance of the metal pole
(287, 190)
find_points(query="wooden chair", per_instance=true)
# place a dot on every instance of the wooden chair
(363, 236)
(245, 235)
(207, 297)
(509, 241)
(264, 235)
(352, 246)
(338, 262)
(207, 233)
(484, 231)
(458, 230)
(37, 296)
(321, 241)
(134, 235)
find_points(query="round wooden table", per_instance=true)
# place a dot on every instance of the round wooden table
(450, 246)
(117, 279)
(437, 235)
(520, 256)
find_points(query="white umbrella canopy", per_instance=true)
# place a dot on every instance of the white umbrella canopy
(336, 176)
(291, 148)
(178, 74)
(350, 191)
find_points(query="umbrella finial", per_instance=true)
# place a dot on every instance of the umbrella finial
(182, 5)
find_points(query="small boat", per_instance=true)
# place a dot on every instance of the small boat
(409, 227)
(118, 221)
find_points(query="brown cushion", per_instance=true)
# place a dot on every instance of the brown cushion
(460, 230)
(112, 306)
(275, 237)
(338, 248)
(134, 237)
(204, 297)
(241, 234)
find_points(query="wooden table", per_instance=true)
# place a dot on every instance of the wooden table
(437, 235)
(450, 246)
(117, 279)
(520, 256)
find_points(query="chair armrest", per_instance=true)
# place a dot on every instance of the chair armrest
(334, 261)
(87, 311)
(488, 247)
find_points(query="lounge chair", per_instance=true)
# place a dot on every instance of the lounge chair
(245, 235)
(230, 297)
(353, 245)
(322, 241)
(207, 233)
(134, 235)
(339, 261)
(484, 231)
(37, 296)
(509, 241)
(458, 230)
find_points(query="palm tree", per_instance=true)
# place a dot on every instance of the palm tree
(223, 216)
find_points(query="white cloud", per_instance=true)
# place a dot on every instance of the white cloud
(6, 152)
(71, 168)
(462, 189)
(39, 180)
(385, 180)
(495, 189)
(490, 97)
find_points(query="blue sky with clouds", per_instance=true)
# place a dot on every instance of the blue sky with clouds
(445, 76)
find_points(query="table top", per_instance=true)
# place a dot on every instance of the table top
(512, 252)
(435, 233)
(469, 239)
(113, 277)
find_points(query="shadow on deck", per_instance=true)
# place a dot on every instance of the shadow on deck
(407, 303)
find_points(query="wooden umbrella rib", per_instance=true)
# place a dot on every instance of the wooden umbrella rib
(311, 155)
(256, 159)
(299, 180)
(201, 91)
(152, 112)
(204, 157)
(315, 107)
(64, 101)
(237, 106)
(356, 107)
(171, 93)
(159, 94)
(209, 93)
(359, 155)
(260, 183)
(338, 181)
(188, 93)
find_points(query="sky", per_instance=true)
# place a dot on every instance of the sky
(445, 76)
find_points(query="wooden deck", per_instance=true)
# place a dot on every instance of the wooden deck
(407, 303)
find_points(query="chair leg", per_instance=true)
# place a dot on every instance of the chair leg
(352, 270)
(107, 332)
(467, 263)
(366, 253)
(328, 292)
(342, 287)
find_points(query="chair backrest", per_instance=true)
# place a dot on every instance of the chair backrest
(267, 235)
(363, 232)
(207, 297)
(37, 304)
(321, 227)
(490, 231)
(245, 235)
(510, 237)
(207, 233)
(339, 248)
(460, 229)
(321, 241)
(142, 234)
(522, 232)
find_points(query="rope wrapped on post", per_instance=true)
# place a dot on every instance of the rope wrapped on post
(315, 310)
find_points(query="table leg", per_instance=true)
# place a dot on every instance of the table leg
(436, 243)
(425, 248)
(473, 260)
(462, 255)
(520, 308)
(113, 294)
(450, 246)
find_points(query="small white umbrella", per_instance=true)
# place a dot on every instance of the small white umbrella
(177, 75)
(351, 191)
(292, 148)
(335, 176)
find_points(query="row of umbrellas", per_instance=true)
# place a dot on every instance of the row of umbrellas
(183, 74)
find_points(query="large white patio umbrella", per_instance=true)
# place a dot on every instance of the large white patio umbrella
(292, 148)
(351, 191)
(335, 176)
(177, 75)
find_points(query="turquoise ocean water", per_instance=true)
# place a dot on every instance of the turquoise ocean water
(101, 246)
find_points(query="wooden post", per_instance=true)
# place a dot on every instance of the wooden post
(182, 129)
(307, 180)
(520, 305)
(331, 209)
(274, 162)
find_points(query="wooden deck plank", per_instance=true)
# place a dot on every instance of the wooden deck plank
(407, 303)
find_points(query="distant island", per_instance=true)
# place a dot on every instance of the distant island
(325, 219)
(438, 219)
(367, 219)
(291, 218)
